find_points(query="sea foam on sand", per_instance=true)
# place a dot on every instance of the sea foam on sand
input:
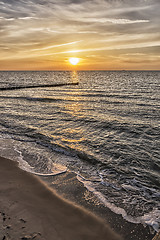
(31, 210)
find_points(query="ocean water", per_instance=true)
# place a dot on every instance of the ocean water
(106, 129)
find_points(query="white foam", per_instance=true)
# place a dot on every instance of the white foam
(22, 163)
(56, 168)
(152, 218)
(10, 149)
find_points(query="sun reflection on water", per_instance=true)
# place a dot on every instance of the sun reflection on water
(74, 77)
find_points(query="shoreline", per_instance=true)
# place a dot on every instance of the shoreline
(68, 186)
(22, 192)
(29, 209)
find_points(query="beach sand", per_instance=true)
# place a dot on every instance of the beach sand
(70, 188)
(31, 210)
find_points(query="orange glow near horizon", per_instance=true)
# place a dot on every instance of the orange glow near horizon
(82, 36)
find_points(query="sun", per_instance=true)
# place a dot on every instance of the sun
(74, 60)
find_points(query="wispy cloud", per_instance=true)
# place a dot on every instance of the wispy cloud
(27, 18)
(6, 19)
(123, 46)
(114, 21)
(55, 46)
(38, 28)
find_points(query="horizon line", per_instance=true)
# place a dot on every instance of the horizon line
(75, 70)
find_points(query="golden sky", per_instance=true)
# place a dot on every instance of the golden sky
(103, 34)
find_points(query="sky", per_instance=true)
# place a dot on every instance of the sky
(103, 34)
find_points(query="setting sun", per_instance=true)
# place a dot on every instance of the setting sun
(74, 61)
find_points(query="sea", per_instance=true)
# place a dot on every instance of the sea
(102, 125)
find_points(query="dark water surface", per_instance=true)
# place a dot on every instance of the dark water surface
(106, 129)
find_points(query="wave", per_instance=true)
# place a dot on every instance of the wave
(107, 130)
(151, 218)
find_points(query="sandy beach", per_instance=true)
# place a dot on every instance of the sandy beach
(31, 210)
(70, 188)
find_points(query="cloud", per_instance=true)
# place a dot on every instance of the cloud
(93, 25)
(120, 46)
(55, 46)
(112, 20)
(27, 18)
(6, 19)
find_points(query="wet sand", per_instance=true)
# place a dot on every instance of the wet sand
(70, 188)
(31, 210)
